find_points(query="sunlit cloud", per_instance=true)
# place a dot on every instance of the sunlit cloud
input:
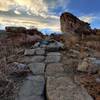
(88, 19)
(54, 26)
(31, 13)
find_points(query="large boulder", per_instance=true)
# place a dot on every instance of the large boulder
(69, 23)
(73, 28)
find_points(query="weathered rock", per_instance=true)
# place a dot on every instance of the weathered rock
(15, 30)
(40, 51)
(53, 59)
(74, 51)
(63, 88)
(54, 68)
(84, 65)
(60, 45)
(18, 69)
(37, 68)
(90, 65)
(71, 23)
(32, 88)
(20, 66)
(36, 45)
(29, 52)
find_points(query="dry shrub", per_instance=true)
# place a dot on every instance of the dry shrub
(6, 85)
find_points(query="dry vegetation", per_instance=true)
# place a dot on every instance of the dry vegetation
(8, 54)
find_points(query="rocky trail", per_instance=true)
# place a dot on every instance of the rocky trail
(66, 66)
(51, 78)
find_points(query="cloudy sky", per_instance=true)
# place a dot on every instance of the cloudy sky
(44, 14)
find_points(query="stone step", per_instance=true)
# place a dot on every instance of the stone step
(37, 68)
(30, 59)
(53, 59)
(40, 51)
(54, 68)
(32, 89)
(29, 52)
(63, 88)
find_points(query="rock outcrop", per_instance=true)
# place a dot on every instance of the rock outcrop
(70, 23)
(74, 29)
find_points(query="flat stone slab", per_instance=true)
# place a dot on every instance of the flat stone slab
(29, 52)
(54, 68)
(54, 53)
(37, 68)
(53, 59)
(40, 51)
(30, 98)
(33, 87)
(63, 88)
(30, 59)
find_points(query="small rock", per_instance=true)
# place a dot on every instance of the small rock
(74, 51)
(18, 69)
(60, 45)
(29, 52)
(36, 45)
(90, 65)
(83, 66)
(98, 80)
(20, 66)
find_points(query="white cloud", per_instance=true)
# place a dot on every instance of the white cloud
(37, 7)
(57, 3)
(87, 18)
(38, 10)
(53, 25)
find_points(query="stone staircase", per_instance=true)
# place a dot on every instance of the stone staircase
(48, 80)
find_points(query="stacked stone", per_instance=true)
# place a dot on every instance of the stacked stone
(33, 86)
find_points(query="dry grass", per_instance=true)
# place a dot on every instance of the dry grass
(7, 85)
